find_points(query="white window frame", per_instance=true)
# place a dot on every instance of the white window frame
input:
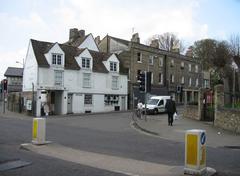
(150, 60)
(113, 66)
(86, 80)
(182, 64)
(197, 82)
(86, 62)
(58, 77)
(57, 59)
(196, 68)
(160, 61)
(172, 78)
(139, 57)
(190, 81)
(160, 78)
(190, 67)
(115, 83)
(182, 80)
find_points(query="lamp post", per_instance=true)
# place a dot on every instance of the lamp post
(235, 67)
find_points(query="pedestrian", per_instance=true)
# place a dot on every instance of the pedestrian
(171, 109)
(46, 109)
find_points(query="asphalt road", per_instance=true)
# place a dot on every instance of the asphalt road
(109, 134)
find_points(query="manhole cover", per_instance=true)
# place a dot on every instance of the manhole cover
(13, 164)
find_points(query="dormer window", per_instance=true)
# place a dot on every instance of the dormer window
(85, 62)
(113, 66)
(56, 59)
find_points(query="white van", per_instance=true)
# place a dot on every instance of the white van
(157, 104)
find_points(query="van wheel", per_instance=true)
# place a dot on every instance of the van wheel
(155, 111)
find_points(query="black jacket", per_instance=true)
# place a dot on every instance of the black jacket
(171, 106)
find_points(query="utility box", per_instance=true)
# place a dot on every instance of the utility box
(195, 152)
(39, 131)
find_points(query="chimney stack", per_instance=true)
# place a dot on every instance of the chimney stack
(97, 40)
(81, 33)
(154, 43)
(135, 38)
(73, 34)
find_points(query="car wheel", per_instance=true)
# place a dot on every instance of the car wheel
(155, 111)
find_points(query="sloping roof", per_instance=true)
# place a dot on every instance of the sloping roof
(40, 48)
(125, 42)
(77, 42)
(14, 71)
(98, 58)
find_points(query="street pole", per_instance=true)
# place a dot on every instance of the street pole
(233, 99)
(33, 99)
(4, 101)
(145, 96)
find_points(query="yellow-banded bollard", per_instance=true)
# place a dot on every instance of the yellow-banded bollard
(39, 131)
(195, 152)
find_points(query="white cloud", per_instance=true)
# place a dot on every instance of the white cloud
(115, 17)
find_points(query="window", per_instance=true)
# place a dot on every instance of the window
(114, 82)
(160, 78)
(58, 77)
(182, 65)
(113, 66)
(88, 99)
(86, 79)
(139, 57)
(190, 81)
(206, 83)
(111, 99)
(59, 60)
(85, 62)
(172, 63)
(196, 68)
(150, 61)
(197, 82)
(56, 59)
(161, 61)
(172, 78)
(160, 103)
(182, 80)
(189, 67)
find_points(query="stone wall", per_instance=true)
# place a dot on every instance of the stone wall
(228, 119)
(191, 111)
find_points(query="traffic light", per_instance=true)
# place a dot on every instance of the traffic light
(149, 81)
(142, 81)
(5, 84)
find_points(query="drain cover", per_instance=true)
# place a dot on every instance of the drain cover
(13, 164)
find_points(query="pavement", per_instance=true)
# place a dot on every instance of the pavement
(157, 126)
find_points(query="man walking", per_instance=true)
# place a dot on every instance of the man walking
(171, 109)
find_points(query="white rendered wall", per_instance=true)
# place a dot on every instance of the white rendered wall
(89, 43)
(30, 72)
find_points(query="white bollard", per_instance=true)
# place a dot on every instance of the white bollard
(39, 131)
(195, 152)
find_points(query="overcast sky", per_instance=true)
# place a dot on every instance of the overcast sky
(50, 20)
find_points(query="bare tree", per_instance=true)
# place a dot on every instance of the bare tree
(168, 41)
(235, 51)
